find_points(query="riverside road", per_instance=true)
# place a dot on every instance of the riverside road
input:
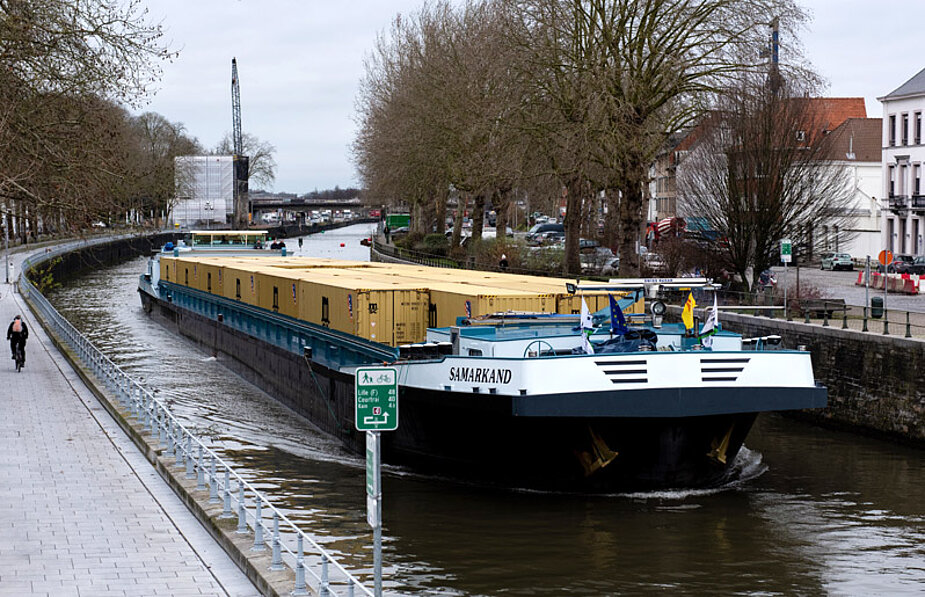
(814, 512)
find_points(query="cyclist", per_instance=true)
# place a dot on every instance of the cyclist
(17, 334)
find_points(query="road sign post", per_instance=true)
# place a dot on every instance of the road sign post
(376, 410)
(885, 258)
(786, 253)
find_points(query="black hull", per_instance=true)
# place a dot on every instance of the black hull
(478, 438)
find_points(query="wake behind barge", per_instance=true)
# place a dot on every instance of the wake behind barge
(509, 400)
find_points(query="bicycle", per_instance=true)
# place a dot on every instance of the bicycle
(20, 357)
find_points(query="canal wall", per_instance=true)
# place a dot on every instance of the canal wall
(93, 256)
(876, 382)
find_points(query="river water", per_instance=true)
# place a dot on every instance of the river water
(817, 512)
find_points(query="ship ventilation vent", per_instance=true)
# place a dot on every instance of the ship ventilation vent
(623, 372)
(719, 369)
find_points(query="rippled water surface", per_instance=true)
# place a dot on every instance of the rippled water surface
(817, 512)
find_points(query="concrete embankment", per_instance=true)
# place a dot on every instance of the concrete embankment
(876, 382)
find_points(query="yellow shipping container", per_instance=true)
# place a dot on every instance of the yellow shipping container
(209, 277)
(449, 301)
(376, 312)
(240, 284)
(277, 291)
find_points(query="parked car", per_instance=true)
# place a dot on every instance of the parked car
(917, 267)
(543, 228)
(593, 260)
(653, 263)
(836, 261)
(900, 261)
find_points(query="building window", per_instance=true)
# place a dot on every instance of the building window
(892, 131)
(917, 183)
(918, 128)
(905, 131)
(892, 182)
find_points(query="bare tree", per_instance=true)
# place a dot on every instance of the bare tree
(261, 163)
(62, 64)
(762, 171)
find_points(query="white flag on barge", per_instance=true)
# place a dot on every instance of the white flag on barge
(710, 326)
(587, 327)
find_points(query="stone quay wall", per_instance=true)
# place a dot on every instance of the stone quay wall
(876, 383)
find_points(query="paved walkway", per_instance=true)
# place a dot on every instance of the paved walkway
(81, 511)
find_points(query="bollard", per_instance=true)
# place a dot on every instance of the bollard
(806, 313)
(844, 320)
(864, 329)
(886, 323)
(258, 527)
(277, 562)
(300, 586)
(213, 486)
(908, 326)
(825, 315)
(200, 473)
(242, 513)
(324, 583)
(226, 510)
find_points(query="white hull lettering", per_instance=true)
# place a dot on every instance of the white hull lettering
(480, 375)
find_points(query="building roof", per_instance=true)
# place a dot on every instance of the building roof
(914, 86)
(828, 113)
(856, 139)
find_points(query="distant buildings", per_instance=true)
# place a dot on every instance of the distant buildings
(902, 163)
(849, 139)
(205, 191)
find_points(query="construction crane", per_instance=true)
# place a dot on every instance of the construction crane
(241, 161)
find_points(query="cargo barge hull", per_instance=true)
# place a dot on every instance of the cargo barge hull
(477, 438)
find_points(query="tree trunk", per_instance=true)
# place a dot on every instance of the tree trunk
(502, 207)
(478, 218)
(573, 213)
(612, 221)
(440, 215)
(461, 203)
(631, 217)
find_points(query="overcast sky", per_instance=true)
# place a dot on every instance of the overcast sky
(300, 63)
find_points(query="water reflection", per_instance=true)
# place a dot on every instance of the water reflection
(819, 512)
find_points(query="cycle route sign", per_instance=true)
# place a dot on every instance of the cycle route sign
(376, 399)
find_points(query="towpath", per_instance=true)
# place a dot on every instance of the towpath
(81, 510)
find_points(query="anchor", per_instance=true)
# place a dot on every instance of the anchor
(600, 456)
(718, 453)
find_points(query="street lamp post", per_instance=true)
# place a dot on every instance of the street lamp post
(209, 208)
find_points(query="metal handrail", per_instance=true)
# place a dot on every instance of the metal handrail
(200, 462)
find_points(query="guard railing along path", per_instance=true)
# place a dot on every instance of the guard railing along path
(271, 530)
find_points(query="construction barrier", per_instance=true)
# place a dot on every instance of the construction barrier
(899, 283)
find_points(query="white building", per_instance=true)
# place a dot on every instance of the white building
(855, 146)
(205, 191)
(903, 159)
